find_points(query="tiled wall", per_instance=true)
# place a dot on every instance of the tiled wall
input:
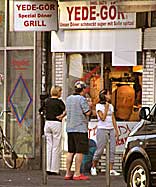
(59, 60)
(148, 80)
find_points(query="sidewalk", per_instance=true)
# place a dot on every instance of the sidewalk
(34, 178)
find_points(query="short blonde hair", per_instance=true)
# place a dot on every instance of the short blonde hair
(55, 90)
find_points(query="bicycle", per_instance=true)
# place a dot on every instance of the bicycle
(7, 153)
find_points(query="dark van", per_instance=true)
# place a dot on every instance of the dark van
(139, 157)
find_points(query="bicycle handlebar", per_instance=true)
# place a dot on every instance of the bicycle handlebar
(2, 112)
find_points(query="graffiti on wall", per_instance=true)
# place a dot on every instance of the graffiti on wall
(124, 127)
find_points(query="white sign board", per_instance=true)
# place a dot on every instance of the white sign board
(124, 58)
(98, 14)
(35, 15)
(96, 40)
(124, 128)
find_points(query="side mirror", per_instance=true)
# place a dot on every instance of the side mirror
(144, 112)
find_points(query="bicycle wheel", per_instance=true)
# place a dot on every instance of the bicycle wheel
(9, 155)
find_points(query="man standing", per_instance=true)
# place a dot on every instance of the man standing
(77, 129)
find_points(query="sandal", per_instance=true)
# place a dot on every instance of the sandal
(68, 177)
(81, 177)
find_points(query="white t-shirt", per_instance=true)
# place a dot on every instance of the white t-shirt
(107, 123)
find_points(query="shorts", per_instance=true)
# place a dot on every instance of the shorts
(78, 142)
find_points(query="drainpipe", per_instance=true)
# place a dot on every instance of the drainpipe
(44, 73)
(143, 51)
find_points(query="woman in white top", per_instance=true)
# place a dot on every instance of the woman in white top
(106, 124)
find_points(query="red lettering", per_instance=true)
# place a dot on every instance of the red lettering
(26, 7)
(112, 12)
(31, 23)
(92, 12)
(18, 7)
(93, 130)
(26, 23)
(23, 7)
(46, 7)
(52, 7)
(103, 12)
(124, 129)
(21, 64)
(33, 7)
(121, 14)
(77, 13)
(89, 132)
(84, 13)
(121, 141)
(70, 12)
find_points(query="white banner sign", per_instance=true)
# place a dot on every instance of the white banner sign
(124, 128)
(98, 14)
(35, 16)
(97, 41)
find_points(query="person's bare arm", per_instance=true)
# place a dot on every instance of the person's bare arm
(88, 113)
(103, 115)
(60, 117)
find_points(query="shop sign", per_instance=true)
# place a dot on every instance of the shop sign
(98, 14)
(35, 16)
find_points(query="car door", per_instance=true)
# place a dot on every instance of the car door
(150, 142)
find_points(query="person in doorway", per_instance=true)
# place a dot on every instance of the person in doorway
(106, 124)
(78, 110)
(54, 112)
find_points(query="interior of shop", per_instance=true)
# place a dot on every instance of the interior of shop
(124, 82)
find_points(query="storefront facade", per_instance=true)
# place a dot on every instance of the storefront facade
(104, 55)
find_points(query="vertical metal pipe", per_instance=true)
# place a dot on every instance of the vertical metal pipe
(107, 159)
(5, 64)
(44, 159)
(102, 73)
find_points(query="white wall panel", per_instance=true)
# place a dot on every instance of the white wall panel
(96, 40)
(150, 38)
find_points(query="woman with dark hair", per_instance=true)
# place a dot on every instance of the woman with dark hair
(106, 124)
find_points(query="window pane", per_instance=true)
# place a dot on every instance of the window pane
(85, 67)
(20, 93)
(2, 19)
(20, 39)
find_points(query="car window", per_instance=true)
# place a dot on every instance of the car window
(152, 115)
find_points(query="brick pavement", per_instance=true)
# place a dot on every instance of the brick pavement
(34, 178)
